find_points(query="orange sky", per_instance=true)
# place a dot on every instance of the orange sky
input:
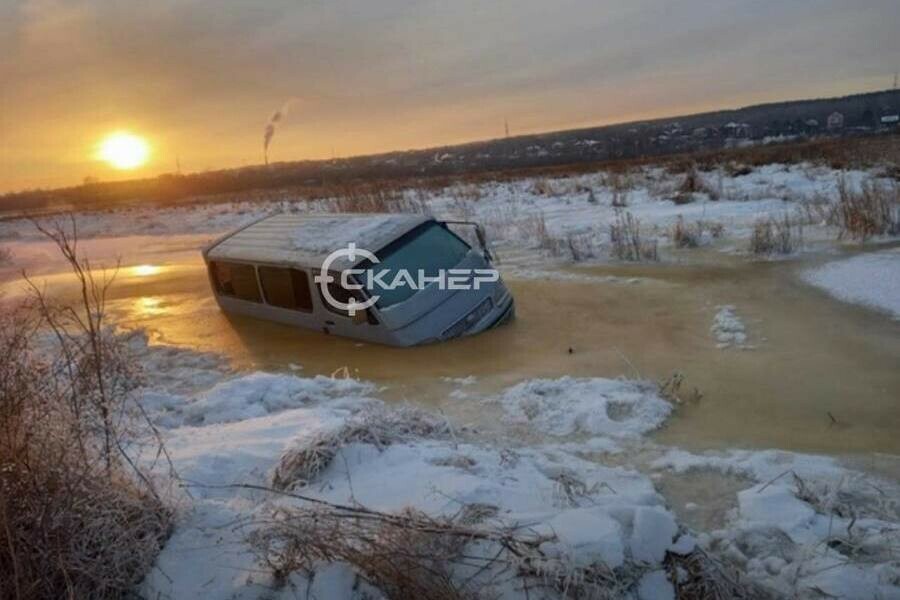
(200, 79)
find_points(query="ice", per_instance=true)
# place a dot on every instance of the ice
(585, 536)
(250, 396)
(727, 328)
(774, 505)
(652, 534)
(655, 586)
(871, 279)
(790, 530)
(569, 405)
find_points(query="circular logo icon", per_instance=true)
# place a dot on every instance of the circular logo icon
(352, 306)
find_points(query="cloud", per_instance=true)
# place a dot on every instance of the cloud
(197, 75)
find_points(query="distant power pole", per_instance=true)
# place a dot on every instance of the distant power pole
(506, 127)
(895, 81)
(177, 164)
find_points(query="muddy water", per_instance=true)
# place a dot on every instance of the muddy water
(823, 376)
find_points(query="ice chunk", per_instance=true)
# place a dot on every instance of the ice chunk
(652, 534)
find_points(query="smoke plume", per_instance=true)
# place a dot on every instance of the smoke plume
(277, 117)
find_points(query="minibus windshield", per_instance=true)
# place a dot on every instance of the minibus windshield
(429, 248)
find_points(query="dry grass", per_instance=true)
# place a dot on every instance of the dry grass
(543, 187)
(78, 517)
(411, 555)
(775, 236)
(626, 240)
(685, 236)
(379, 427)
(619, 185)
(580, 246)
(374, 199)
(862, 152)
(872, 211)
(693, 184)
(468, 555)
(698, 576)
(533, 227)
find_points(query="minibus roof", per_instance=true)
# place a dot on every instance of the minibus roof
(306, 240)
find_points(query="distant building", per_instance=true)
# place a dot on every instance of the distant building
(890, 120)
(835, 121)
(811, 124)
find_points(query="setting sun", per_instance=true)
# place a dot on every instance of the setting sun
(123, 150)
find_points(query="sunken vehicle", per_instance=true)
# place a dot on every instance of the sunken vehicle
(395, 279)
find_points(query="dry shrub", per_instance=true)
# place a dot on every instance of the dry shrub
(301, 464)
(815, 210)
(715, 228)
(580, 246)
(619, 185)
(467, 192)
(469, 555)
(411, 555)
(6, 256)
(627, 243)
(693, 183)
(698, 576)
(874, 210)
(737, 170)
(775, 236)
(78, 517)
(685, 236)
(543, 187)
(533, 227)
(375, 198)
(619, 199)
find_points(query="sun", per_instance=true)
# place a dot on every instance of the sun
(124, 150)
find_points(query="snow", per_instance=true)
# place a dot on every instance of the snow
(252, 395)
(759, 503)
(652, 534)
(325, 235)
(655, 586)
(871, 279)
(207, 555)
(784, 522)
(567, 406)
(727, 328)
(569, 458)
(508, 210)
(236, 431)
(584, 536)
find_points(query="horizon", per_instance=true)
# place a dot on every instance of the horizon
(395, 79)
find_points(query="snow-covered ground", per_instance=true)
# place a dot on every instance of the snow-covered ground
(871, 279)
(803, 526)
(533, 212)
(569, 458)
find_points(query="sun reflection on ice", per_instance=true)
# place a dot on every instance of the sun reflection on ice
(146, 270)
(149, 305)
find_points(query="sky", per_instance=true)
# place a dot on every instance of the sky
(200, 79)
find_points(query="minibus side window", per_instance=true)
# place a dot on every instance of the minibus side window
(236, 280)
(286, 288)
(342, 295)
